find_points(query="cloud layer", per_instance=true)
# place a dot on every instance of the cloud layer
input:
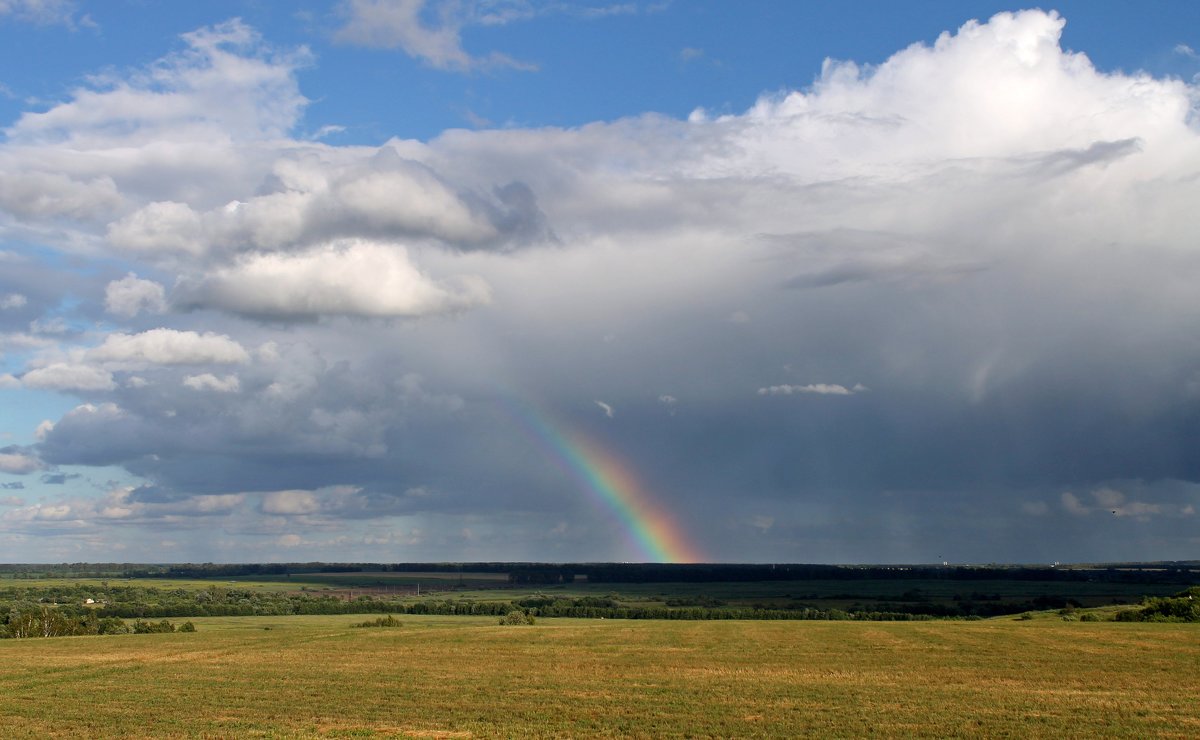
(949, 298)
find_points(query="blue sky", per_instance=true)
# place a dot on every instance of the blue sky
(620, 59)
(834, 282)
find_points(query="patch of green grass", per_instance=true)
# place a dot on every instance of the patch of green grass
(469, 677)
(165, 584)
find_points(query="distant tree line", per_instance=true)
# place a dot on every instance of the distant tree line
(89, 609)
(68, 603)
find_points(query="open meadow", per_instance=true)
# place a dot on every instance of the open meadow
(468, 677)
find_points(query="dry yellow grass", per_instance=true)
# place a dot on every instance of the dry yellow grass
(459, 677)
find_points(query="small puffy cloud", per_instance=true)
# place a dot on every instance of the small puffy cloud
(1035, 508)
(404, 24)
(17, 463)
(12, 300)
(268, 352)
(820, 389)
(132, 295)
(1119, 505)
(52, 325)
(289, 503)
(398, 24)
(103, 412)
(43, 428)
(43, 12)
(347, 278)
(1072, 505)
(327, 130)
(606, 408)
(1142, 510)
(1108, 498)
(8, 380)
(167, 347)
(62, 376)
(209, 504)
(210, 382)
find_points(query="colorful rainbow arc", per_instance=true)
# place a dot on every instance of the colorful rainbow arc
(654, 533)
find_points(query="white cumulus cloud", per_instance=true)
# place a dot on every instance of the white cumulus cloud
(64, 376)
(210, 382)
(374, 193)
(167, 347)
(132, 295)
(346, 278)
(12, 300)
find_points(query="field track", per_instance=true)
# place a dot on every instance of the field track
(468, 677)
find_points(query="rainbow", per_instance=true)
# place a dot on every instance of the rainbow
(654, 534)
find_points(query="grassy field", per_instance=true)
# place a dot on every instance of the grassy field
(280, 583)
(311, 582)
(187, 584)
(468, 677)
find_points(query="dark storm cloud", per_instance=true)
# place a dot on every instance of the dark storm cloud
(58, 479)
